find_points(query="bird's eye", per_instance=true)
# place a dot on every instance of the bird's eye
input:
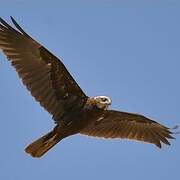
(104, 99)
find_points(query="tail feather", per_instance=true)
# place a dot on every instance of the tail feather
(43, 144)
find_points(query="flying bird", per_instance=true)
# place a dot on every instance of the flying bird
(50, 83)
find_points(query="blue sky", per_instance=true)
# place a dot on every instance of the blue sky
(127, 50)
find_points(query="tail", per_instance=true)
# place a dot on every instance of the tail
(43, 144)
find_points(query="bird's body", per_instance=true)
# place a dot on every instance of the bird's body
(73, 122)
(50, 83)
(77, 119)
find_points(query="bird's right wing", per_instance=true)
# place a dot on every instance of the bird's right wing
(115, 124)
(44, 75)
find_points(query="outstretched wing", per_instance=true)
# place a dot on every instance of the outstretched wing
(115, 124)
(44, 75)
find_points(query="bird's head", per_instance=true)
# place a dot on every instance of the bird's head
(102, 102)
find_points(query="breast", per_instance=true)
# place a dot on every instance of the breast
(76, 120)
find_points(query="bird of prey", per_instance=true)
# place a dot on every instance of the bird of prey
(50, 83)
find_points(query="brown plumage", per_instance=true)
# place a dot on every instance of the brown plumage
(49, 82)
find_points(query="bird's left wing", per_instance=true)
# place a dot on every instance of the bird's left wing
(44, 75)
(115, 124)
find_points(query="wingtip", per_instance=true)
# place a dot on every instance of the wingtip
(159, 145)
(12, 19)
(19, 27)
(177, 128)
(2, 20)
